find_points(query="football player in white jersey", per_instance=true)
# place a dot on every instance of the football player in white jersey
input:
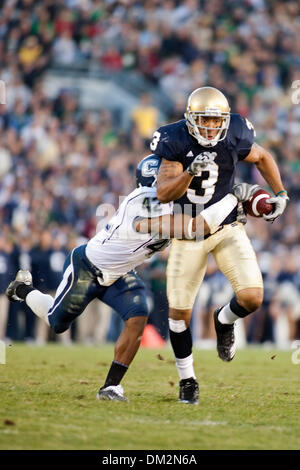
(104, 267)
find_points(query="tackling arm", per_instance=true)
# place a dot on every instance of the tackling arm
(182, 226)
(172, 226)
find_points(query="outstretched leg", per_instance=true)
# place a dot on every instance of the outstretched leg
(22, 289)
(77, 288)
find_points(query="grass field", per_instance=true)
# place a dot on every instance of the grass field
(47, 397)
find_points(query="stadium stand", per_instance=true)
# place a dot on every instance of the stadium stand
(158, 52)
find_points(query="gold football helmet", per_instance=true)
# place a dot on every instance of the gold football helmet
(207, 102)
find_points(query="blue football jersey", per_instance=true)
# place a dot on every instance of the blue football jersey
(173, 142)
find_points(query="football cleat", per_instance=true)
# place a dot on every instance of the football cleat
(113, 392)
(22, 277)
(189, 391)
(225, 338)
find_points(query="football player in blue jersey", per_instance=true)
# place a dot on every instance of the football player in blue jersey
(104, 267)
(212, 136)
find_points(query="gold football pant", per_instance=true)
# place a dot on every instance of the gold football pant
(234, 256)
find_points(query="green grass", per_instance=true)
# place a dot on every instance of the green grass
(47, 397)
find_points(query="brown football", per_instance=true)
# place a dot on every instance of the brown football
(257, 205)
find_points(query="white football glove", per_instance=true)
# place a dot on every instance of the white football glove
(244, 191)
(280, 205)
(198, 165)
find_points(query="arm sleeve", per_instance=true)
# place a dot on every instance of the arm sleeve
(245, 134)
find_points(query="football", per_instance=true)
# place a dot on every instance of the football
(257, 205)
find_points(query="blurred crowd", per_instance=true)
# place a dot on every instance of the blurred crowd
(58, 162)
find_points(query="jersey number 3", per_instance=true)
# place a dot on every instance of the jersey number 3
(208, 186)
(155, 140)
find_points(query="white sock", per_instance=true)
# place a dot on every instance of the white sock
(185, 367)
(40, 304)
(216, 213)
(226, 315)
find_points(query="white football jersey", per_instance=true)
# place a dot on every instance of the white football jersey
(118, 248)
